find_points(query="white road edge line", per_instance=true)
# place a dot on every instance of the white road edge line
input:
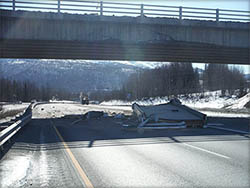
(217, 154)
(226, 129)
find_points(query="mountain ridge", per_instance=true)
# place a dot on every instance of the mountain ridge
(70, 75)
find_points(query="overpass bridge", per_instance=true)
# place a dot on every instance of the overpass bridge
(152, 33)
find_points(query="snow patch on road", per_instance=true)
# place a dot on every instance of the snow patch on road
(15, 171)
(43, 163)
(43, 170)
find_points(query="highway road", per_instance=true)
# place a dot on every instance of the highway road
(59, 152)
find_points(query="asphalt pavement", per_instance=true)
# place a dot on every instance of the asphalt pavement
(56, 152)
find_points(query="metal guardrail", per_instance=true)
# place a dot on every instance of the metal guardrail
(10, 131)
(131, 9)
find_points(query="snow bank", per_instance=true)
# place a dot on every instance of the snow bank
(62, 101)
(214, 102)
(225, 114)
(144, 102)
(240, 103)
(9, 111)
(195, 100)
(11, 107)
(57, 110)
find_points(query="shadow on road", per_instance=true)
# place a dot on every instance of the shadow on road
(40, 134)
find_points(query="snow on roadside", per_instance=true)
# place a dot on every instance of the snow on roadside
(208, 103)
(214, 102)
(145, 102)
(196, 100)
(16, 169)
(240, 103)
(57, 110)
(225, 114)
(11, 107)
(9, 111)
(62, 101)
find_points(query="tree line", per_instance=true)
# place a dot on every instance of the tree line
(168, 80)
(13, 91)
(221, 77)
(178, 78)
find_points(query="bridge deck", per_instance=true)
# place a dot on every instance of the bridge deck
(174, 51)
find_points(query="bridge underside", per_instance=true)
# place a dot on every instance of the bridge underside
(168, 51)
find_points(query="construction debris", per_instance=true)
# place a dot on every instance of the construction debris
(94, 114)
(119, 116)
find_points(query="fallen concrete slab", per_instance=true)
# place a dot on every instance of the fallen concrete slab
(172, 114)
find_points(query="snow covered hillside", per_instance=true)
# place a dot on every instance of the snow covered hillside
(70, 75)
(73, 75)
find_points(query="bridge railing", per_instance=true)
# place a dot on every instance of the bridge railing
(125, 9)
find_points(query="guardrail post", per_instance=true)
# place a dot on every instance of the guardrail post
(14, 5)
(217, 15)
(58, 5)
(101, 8)
(180, 13)
(142, 14)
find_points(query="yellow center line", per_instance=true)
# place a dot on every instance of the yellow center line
(75, 162)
